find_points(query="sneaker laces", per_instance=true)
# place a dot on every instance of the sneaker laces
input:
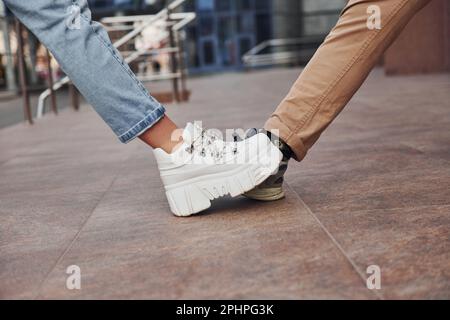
(207, 143)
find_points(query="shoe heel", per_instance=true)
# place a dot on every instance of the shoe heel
(187, 200)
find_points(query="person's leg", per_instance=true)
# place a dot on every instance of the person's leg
(163, 135)
(87, 56)
(203, 167)
(331, 78)
(337, 70)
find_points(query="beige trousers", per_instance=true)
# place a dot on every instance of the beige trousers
(338, 69)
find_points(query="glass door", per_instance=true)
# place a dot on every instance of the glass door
(208, 53)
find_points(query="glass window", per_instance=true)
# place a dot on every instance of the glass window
(319, 25)
(225, 28)
(208, 53)
(318, 5)
(263, 27)
(263, 4)
(206, 25)
(226, 43)
(244, 4)
(205, 5)
(223, 5)
(191, 47)
(245, 23)
(321, 15)
(245, 44)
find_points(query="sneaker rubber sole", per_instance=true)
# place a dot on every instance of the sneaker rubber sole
(266, 194)
(195, 195)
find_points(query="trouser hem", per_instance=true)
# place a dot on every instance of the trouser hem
(293, 140)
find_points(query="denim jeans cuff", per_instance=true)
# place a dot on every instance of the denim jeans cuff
(143, 125)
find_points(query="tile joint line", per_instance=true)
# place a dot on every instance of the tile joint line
(74, 239)
(333, 239)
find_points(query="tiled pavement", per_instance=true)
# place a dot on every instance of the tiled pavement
(374, 191)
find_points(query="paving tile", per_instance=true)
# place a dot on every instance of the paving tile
(410, 245)
(434, 142)
(34, 232)
(133, 247)
(396, 182)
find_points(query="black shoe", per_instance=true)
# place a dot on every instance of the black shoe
(272, 188)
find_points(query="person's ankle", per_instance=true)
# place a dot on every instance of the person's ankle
(164, 135)
(281, 144)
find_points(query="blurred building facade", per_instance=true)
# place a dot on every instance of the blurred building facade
(226, 29)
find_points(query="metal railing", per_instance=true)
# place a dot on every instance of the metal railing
(134, 26)
(282, 51)
(24, 87)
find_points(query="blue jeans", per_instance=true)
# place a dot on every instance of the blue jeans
(86, 54)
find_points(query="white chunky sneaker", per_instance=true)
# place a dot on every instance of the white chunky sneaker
(205, 167)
